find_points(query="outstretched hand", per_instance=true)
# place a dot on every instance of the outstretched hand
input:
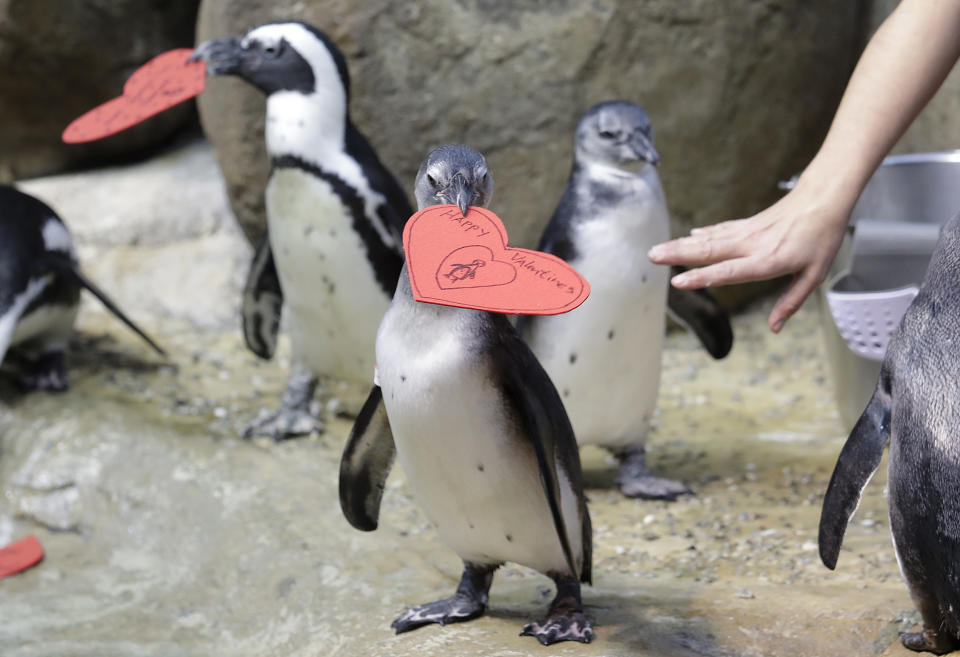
(797, 235)
(900, 69)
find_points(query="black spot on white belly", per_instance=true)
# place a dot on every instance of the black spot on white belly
(307, 231)
(403, 377)
(610, 334)
(480, 467)
(566, 392)
(643, 279)
(573, 358)
(509, 538)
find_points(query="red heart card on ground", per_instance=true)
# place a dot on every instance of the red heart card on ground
(166, 80)
(464, 261)
(20, 556)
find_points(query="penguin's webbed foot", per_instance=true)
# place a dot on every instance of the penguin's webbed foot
(653, 488)
(457, 609)
(469, 602)
(635, 480)
(284, 424)
(46, 373)
(565, 621)
(938, 643)
(561, 626)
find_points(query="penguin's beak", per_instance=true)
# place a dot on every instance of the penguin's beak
(460, 193)
(224, 56)
(642, 146)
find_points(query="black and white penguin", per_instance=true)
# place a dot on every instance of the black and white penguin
(915, 407)
(40, 291)
(481, 434)
(335, 216)
(605, 358)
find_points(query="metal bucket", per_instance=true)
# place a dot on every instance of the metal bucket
(919, 188)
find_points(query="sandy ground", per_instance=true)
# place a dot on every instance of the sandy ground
(169, 535)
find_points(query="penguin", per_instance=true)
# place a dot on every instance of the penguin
(605, 358)
(335, 216)
(915, 408)
(481, 434)
(40, 286)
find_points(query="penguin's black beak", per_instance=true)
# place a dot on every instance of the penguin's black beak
(224, 56)
(642, 146)
(460, 193)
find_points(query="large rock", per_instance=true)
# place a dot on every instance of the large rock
(739, 93)
(60, 58)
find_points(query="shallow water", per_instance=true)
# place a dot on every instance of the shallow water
(166, 534)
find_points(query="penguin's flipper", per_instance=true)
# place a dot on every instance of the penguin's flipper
(262, 303)
(542, 420)
(698, 311)
(64, 266)
(856, 464)
(366, 462)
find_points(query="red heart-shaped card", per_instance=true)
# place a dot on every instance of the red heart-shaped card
(20, 556)
(166, 80)
(464, 261)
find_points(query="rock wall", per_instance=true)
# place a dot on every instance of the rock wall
(937, 128)
(59, 58)
(739, 93)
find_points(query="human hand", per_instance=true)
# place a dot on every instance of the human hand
(800, 235)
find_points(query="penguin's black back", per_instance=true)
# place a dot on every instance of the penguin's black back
(556, 238)
(22, 248)
(397, 209)
(923, 361)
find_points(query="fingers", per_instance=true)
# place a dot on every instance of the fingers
(693, 251)
(720, 230)
(791, 300)
(736, 270)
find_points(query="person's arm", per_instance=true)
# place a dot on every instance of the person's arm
(901, 68)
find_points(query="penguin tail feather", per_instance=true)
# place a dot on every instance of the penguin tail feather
(68, 268)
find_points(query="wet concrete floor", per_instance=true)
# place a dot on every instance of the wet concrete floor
(167, 534)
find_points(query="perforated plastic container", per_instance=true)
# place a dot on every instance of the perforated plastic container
(880, 265)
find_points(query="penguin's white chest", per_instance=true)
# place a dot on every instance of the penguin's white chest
(49, 324)
(473, 475)
(331, 294)
(604, 357)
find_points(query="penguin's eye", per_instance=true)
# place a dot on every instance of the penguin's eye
(431, 180)
(271, 50)
(606, 134)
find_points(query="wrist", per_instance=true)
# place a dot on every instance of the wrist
(831, 192)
